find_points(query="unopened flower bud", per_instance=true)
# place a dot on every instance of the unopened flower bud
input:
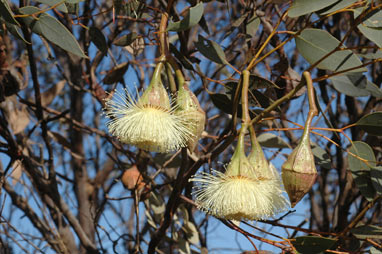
(299, 171)
(189, 108)
(132, 178)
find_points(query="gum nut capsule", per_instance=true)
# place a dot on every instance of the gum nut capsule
(299, 171)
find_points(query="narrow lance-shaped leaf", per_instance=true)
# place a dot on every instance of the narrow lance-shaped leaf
(52, 30)
(192, 18)
(6, 13)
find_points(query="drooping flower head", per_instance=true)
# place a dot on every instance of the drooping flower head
(242, 192)
(149, 122)
(190, 109)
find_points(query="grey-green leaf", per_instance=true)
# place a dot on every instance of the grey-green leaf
(6, 13)
(61, 7)
(337, 6)
(360, 170)
(314, 44)
(211, 50)
(376, 179)
(125, 40)
(52, 30)
(375, 55)
(369, 26)
(321, 157)
(302, 7)
(367, 231)
(312, 244)
(257, 82)
(97, 37)
(371, 123)
(16, 31)
(192, 18)
(252, 25)
(353, 84)
(272, 141)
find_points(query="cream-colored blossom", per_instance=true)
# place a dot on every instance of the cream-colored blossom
(238, 197)
(243, 192)
(152, 127)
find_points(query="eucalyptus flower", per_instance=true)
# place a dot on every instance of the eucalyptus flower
(149, 122)
(243, 192)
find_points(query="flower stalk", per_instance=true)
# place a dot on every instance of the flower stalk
(299, 171)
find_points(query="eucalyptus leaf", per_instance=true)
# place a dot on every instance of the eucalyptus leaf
(371, 123)
(360, 170)
(211, 50)
(271, 140)
(61, 7)
(353, 84)
(257, 82)
(314, 44)
(375, 55)
(302, 7)
(321, 157)
(374, 250)
(52, 30)
(97, 37)
(116, 74)
(313, 244)
(192, 18)
(252, 25)
(369, 26)
(16, 31)
(367, 231)
(337, 6)
(125, 40)
(376, 179)
(6, 13)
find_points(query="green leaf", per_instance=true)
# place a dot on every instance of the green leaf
(252, 25)
(313, 244)
(302, 7)
(376, 179)
(115, 74)
(61, 7)
(6, 13)
(337, 6)
(371, 123)
(360, 170)
(257, 82)
(73, 1)
(369, 26)
(16, 31)
(97, 37)
(353, 84)
(374, 250)
(321, 157)
(314, 44)
(52, 30)
(272, 141)
(211, 50)
(374, 90)
(222, 102)
(125, 40)
(191, 232)
(185, 62)
(367, 231)
(192, 18)
(375, 55)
